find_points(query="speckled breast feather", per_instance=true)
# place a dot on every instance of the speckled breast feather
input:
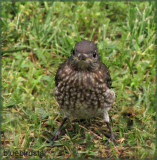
(82, 94)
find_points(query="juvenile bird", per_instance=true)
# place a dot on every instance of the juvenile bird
(83, 86)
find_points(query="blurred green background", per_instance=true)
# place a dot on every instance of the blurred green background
(38, 36)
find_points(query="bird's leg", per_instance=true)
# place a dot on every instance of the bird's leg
(112, 138)
(106, 119)
(57, 134)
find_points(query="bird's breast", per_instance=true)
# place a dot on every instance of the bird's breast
(82, 94)
(81, 79)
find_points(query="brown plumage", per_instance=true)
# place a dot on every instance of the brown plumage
(83, 85)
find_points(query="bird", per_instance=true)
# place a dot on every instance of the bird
(84, 86)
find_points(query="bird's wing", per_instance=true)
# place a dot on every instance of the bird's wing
(107, 76)
(58, 77)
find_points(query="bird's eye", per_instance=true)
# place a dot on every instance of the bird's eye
(94, 54)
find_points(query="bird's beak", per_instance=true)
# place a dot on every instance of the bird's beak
(82, 57)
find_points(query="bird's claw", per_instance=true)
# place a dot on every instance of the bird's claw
(56, 136)
(112, 140)
(52, 137)
(49, 133)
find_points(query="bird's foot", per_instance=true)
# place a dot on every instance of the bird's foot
(58, 133)
(52, 138)
(49, 133)
(56, 136)
(112, 139)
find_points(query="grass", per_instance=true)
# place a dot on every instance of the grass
(38, 37)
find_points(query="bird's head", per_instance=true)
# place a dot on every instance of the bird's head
(85, 56)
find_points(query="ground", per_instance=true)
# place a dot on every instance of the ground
(38, 37)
